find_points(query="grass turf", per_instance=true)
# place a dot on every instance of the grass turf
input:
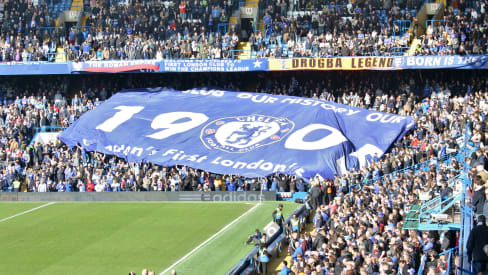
(115, 238)
(227, 249)
(11, 208)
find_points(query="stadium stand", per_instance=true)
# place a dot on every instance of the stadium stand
(342, 29)
(201, 29)
(379, 219)
(52, 108)
(460, 31)
(425, 161)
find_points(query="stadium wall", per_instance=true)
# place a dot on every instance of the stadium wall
(141, 196)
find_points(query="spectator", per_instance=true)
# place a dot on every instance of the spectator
(254, 238)
(478, 239)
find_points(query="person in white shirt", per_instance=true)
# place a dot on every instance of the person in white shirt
(99, 187)
(42, 187)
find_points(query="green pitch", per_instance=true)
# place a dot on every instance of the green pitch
(115, 238)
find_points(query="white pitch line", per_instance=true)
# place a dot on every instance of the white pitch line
(210, 239)
(27, 211)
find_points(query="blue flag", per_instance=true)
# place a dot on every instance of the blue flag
(240, 133)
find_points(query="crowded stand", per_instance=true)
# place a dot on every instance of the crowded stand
(358, 217)
(124, 30)
(306, 28)
(130, 30)
(460, 31)
(23, 33)
(154, 30)
(438, 104)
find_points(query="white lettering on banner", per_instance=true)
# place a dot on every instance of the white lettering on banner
(361, 154)
(86, 142)
(260, 164)
(296, 140)
(180, 155)
(125, 113)
(384, 118)
(117, 64)
(438, 61)
(427, 61)
(167, 122)
(321, 104)
(258, 98)
(178, 122)
(136, 151)
(448, 60)
(216, 93)
(467, 59)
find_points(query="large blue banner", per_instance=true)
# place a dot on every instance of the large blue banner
(225, 132)
(213, 65)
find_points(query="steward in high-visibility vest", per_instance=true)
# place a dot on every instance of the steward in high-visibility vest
(295, 223)
(278, 215)
(263, 254)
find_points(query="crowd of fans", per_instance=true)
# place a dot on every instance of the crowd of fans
(362, 28)
(439, 105)
(357, 230)
(124, 30)
(460, 31)
(319, 29)
(21, 38)
(145, 29)
(155, 30)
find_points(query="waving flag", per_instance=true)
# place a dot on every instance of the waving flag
(243, 133)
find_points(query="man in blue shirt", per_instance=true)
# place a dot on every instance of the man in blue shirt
(255, 237)
(285, 270)
(61, 187)
(298, 251)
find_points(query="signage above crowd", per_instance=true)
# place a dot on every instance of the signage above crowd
(247, 65)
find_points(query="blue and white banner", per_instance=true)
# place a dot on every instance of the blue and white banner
(247, 65)
(213, 65)
(441, 62)
(242, 133)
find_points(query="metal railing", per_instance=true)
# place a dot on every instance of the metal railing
(399, 51)
(53, 56)
(237, 53)
(422, 264)
(401, 26)
(449, 254)
(434, 23)
(81, 28)
(267, 29)
(223, 28)
(49, 30)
